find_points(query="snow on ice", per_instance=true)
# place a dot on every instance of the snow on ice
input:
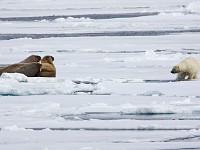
(113, 88)
(18, 84)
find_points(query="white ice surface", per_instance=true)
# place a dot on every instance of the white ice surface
(111, 92)
(62, 7)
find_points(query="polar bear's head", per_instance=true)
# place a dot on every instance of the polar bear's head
(176, 69)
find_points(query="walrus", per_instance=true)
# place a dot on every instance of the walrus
(28, 69)
(29, 59)
(1, 67)
(32, 58)
(48, 69)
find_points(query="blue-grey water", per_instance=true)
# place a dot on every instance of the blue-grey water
(114, 33)
(91, 16)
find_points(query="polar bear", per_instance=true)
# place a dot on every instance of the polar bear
(189, 67)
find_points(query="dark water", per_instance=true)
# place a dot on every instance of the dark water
(108, 129)
(159, 81)
(143, 116)
(114, 33)
(91, 16)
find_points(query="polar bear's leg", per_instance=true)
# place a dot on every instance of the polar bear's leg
(181, 76)
(195, 76)
(191, 76)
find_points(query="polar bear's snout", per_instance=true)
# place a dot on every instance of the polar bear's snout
(173, 71)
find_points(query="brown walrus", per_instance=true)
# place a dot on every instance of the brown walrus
(28, 69)
(48, 69)
(29, 59)
(1, 67)
(32, 58)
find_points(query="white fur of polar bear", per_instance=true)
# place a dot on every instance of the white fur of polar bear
(189, 68)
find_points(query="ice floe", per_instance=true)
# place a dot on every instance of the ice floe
(18, 84)
(14, 128)
(193, 7)
(14, 77)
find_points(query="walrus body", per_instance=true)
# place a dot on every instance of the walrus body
(48, 69)
(32, 58)
(33, 66)
(28, 69)
(2, 67)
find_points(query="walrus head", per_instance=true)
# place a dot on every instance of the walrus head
(175, 69)
(47, 59)
(32, 58)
